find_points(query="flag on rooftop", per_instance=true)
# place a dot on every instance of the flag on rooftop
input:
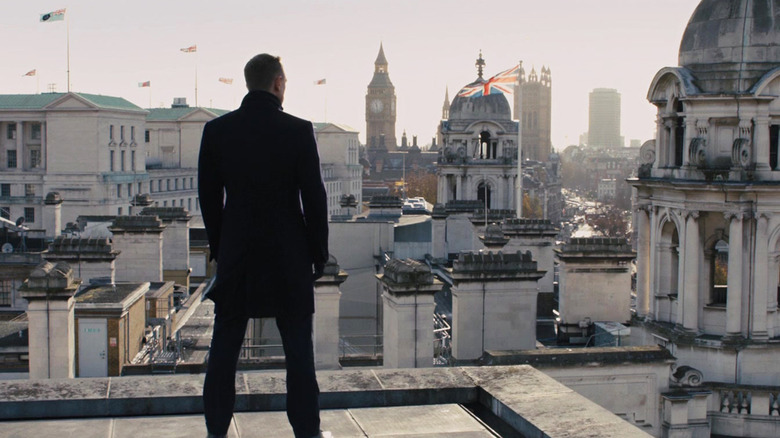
(228, 81)
(320, 82)
(57, 15)
(145, 84)
(190, 49)
(498, 84)
(30, 73)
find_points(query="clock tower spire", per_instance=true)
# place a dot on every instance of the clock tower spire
(380, 107)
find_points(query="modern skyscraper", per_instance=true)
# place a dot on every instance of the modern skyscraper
(604, 119)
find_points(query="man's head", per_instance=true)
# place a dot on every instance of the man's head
(264, 72)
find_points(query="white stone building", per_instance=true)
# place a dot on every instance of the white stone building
(87, 147)
(708, 212)
(342, 172)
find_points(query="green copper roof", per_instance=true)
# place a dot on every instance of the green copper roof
(40, 101)
(173, 114)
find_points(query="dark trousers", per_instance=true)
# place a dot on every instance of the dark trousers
(219, 389)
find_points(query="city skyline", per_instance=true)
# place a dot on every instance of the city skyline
(429, 46)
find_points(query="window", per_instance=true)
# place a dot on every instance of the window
(165, 203)
(12, 159)
(720, 267)
(774, 136)
(159, 185)
(119, 211)
(119, 190)
(140, 188)
(197, 204)
(132, 133)
(192, 185)
(189, 204)
(122, 161)
(35, 158)
(132, 160)
(122, 133)
(5, 212)
(29, 190)
(147, 136)
(6, 291)
(111, 132)
(168, 185)
(176, 183)
(5, 190)
(129, 189)
(29, 214)
(111, 161)
(10, 131)
(35, 131)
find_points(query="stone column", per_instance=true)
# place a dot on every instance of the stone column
(690, 292)
(458, 188)
(500, 201)
(653, 265)
(690, 133)
(734, 294)
(19, 144)
(408, 314)
(441, 189)
(52, 342)
(327, 297)
(758, 331)
(643, 263)
(761, 142)
(52, 214)
(139, 241)
(493, 303)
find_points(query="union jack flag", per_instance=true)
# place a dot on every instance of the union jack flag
(499, 84)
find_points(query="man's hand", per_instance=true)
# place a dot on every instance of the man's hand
(319, 268)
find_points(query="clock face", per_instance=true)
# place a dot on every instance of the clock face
(376, 105)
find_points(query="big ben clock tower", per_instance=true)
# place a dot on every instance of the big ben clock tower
(380, 107)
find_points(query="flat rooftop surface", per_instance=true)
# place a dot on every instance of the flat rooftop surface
(430, 421)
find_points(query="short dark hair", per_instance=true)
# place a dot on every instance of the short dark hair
(261, 71)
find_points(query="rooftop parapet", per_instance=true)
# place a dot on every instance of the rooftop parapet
(521, 226)
(505, 266)
(494, 237)
(385, 202)
(167, 214)
(137, 224)
(612, 247)
(407, 272)
(454, 207)
(48, 280)
(64, 246)
(493, 215)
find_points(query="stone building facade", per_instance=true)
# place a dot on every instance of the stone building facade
(533, 109)
(380, 107)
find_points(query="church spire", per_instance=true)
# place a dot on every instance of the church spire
(480, 64)
(445, 108)
(380, 59)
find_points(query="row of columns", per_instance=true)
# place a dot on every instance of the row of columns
(748, 271)
(501, 192)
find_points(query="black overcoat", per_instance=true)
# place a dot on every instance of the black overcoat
(264, 206)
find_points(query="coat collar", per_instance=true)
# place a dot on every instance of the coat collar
(258, 98)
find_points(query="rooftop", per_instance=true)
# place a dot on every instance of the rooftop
(432, 402)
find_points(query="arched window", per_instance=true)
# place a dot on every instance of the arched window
(484, 145)
(720, 272)
(679, 134)
(483, 194)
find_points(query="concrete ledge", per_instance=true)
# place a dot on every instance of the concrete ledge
(527, 400)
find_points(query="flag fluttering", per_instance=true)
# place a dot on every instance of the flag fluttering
(144, 84)
(57, 15)
(32, 72)
(228, 81)
(190, 49)
(320, 82)
(501, 83)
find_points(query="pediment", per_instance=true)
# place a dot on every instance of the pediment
(71, 101)
(198, 115)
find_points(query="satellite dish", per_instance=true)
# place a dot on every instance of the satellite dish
(20, 221)
(7, 248)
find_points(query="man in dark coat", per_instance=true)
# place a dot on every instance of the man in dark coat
(265, 210)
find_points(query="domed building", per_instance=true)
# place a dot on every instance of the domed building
(708, 209)
(478, 158)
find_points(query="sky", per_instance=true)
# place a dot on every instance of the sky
(430, 45)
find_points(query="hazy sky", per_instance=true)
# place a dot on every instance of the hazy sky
(429, 44)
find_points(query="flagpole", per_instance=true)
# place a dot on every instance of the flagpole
(326, 102)
(67, 38)
(519, 184)
(196, 77)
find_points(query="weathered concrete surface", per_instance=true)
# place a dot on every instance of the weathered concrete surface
(524, 398)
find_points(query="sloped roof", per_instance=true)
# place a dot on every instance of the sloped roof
(173, 114)
(319, 126)
(41, 101)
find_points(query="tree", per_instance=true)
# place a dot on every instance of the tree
(420, 182)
